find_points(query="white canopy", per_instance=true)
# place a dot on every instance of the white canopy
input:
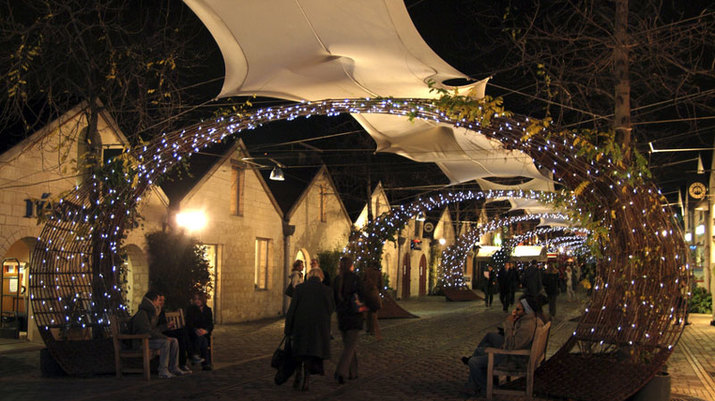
(336, 49)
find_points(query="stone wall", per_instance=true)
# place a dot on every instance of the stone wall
(235, 236)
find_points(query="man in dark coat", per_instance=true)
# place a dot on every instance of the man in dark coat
(551, 286)
(146, 321)
(532, 280)
(308, 326)
(200, 323)
(504, 278)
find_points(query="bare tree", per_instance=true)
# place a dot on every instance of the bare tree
(132, 56)
(565, 59)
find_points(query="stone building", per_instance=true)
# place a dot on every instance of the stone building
(41, 168)
(243, 233)
(313, 212)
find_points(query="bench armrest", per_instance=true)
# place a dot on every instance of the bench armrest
(491, 350)
(132, 336)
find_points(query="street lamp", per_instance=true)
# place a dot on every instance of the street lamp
(191, 220)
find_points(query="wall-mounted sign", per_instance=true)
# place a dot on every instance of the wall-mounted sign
(428, 227)
(697, 190)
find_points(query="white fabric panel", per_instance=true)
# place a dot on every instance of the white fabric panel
(335, 49)
(321, 49)
(462, 154)
(555, 223)
(537, 184)
(530, 206)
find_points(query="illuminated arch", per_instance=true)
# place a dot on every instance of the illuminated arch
(453, 256)
(623, 338)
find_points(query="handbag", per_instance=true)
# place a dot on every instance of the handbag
(283, 361)
(278, 355)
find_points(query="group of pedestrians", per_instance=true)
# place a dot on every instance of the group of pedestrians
(546, 281)
(175, 344)
(307, 323)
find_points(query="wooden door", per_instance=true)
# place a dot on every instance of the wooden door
(423, 275)
(406, 276)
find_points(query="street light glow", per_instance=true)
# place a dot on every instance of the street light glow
(700, 230)
(192, 220)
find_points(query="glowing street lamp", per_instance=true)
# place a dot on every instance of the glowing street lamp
(191, 220)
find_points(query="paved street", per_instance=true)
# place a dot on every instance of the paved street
(418, 359)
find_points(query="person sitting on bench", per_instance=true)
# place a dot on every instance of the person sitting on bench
(146, 321)
(519, 328)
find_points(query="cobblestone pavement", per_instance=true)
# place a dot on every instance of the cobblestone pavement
(418, 359)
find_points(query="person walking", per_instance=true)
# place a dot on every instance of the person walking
(373, 283)
(504, 279)
(532, 279)
(348, 290)
(569, 283)
(551, 286)
(307, 326)
(490, 278)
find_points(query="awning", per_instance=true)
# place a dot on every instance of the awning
(336, 49)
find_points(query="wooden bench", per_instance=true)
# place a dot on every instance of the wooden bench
(535, 356)
(121, 351)
(175, 320)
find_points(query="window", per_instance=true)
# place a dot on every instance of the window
(262, 259)
(323, 204)
(238, 176)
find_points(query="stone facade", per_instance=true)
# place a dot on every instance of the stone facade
(241, 213)
(45, 165)
(320, 220)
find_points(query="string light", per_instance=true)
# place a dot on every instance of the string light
(84, 233)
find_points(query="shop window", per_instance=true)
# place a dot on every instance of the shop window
(262, 263)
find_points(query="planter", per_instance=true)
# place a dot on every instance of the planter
(657, 389)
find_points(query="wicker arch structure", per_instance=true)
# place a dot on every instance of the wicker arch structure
(623, 338)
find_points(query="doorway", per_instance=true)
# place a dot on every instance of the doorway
(406, 276)
(423, 276)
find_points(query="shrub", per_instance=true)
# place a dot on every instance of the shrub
(700, 301)
(177, 267)
(329, 262)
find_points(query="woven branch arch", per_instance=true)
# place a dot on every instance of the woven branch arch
(623, 338)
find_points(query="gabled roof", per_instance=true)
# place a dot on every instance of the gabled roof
(298, 181)
(72, 114)
(290, 192)
(355, 205)
(204, 166)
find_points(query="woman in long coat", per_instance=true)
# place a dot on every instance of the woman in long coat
(350, 321)
(308, 326)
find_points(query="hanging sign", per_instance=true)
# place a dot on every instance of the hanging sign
(697, 190)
